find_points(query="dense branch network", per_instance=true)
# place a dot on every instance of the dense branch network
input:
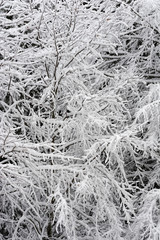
(79, 126)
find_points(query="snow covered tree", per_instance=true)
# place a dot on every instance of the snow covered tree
(136, 35)
(79, 129)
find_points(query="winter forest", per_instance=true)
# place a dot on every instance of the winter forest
(79, 119)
